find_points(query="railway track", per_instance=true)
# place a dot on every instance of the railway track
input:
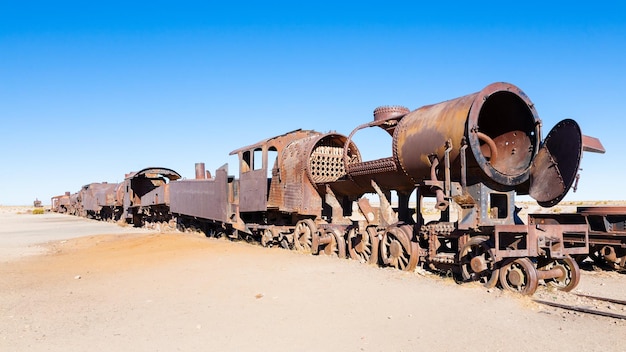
(583, 308)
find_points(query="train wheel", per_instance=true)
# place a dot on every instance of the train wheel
(478, 262)
(519, 275)
(268, 237)
(570, 277)
(284, 243)
(375, 258)
(397, 250)
(360, 245)
(336, 244)
(303, 235)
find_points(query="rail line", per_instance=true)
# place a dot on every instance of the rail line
(586, 310)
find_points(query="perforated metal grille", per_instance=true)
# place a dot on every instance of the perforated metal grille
(326, 164)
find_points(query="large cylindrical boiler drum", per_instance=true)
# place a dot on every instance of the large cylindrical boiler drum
(321, 159)
(499, 124)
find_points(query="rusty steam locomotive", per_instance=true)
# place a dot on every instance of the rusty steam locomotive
(474, 153)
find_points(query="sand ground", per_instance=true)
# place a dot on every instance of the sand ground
(69, 284)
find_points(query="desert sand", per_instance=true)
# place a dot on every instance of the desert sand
(71, 284)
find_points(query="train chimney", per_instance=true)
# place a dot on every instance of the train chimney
(387, 117)
(200, 171)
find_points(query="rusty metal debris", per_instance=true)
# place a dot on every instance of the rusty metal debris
(587, 310)
(313, 192)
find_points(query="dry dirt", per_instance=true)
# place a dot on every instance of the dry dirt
(109, 288)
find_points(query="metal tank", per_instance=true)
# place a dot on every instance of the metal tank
(489, 138)
(499, 124)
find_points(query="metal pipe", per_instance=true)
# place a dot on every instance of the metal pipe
(463, 164)
(492, 147)
(551, 274)
(447, 167)
(442, 204)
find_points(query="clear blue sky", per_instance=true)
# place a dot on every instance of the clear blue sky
(91, 90)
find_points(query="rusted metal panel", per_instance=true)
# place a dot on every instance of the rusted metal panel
(292, 197)
(556, 165)
(159, 195)
(257, 192)
(560, 234)
(513, 241)
(297, 190)
(94, 196)
(552, 240)
(602, 210)
(254, 190)
(592, 144)
(278, 142)
(497, 208)
(202, 198)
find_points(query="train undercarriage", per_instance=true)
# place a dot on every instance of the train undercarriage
(515, 257)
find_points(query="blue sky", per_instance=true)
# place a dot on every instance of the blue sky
(92, 90)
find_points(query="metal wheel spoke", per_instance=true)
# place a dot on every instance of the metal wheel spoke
(403, 262)
(477, 261)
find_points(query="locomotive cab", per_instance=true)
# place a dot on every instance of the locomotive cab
(261, 191)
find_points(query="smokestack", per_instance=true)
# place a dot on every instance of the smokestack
(200, 172)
